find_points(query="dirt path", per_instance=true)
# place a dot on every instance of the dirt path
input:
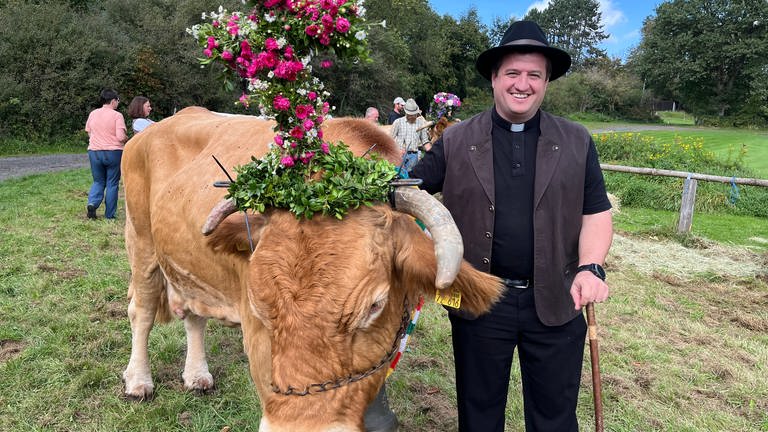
(20, 166)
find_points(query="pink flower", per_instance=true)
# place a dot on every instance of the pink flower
(326, 4)
(319, 120)
(312, 95)
(279, 140)
(308, 124)
(342, 25)
(286, 161)
(281, 103)
(325, 39)
(326, 107)
(312, 30)
(288, 70)
(303, 111)
(208, 52)
(320, 133)
(324, 147)
(325, 64)
(288, 52)
(227, 55)
(212, 43)
(327, 21)
(272, 3)
(244, 100)
(297, 133)
(306, 157)
(271, 44)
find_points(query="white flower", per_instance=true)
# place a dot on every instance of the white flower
(269, 18)
(360, 35)
(449, 102)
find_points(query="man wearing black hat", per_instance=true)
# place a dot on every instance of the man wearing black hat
(526, 191)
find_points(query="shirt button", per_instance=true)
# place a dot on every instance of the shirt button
(486, 261)
(491, 209)
(487, 234)
(517, 165)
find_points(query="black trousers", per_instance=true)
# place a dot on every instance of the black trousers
(550, 366)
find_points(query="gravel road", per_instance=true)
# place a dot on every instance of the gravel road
(20, 166)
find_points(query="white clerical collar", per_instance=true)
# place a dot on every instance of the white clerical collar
(517, 127)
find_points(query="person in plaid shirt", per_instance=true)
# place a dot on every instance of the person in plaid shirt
(410, 133)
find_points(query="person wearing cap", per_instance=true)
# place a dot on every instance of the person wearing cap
(410, 134)
(397, 110)
(527, 194)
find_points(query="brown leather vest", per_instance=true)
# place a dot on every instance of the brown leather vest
(468, 192)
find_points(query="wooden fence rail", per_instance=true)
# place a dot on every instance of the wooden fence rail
(689, 187)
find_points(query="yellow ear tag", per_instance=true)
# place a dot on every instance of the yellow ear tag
(448, 297)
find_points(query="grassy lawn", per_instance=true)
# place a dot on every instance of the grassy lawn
(727, 144)
(681, 350)
(677, 118)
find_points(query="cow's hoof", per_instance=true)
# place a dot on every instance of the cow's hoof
(202, 384)
(138, 389)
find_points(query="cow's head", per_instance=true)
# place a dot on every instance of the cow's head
(326, 301)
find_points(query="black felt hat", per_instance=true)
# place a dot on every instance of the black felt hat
(524, 36)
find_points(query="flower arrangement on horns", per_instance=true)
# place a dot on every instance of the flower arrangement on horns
(271, 49)
(444, 105)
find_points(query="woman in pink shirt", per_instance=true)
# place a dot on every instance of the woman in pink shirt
(106, 132)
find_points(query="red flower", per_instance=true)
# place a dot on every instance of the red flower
(281, 103)
(342, 25)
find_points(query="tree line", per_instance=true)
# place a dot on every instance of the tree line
(709, 56)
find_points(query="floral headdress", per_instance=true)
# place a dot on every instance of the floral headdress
(271, 48)
(444, 104)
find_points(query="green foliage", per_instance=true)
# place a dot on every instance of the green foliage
(679, 154)
(605, 89)
(331, 183)
(574, 26)
(708, 54)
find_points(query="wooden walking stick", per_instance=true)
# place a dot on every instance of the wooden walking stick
(595, 356)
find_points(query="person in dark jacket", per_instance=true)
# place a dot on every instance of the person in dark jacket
(527, 194)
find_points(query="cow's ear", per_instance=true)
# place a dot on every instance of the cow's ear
(231, 236)
(416, 266)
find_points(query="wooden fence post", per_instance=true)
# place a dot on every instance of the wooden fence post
(686, 206)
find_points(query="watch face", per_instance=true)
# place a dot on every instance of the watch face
(598, 271)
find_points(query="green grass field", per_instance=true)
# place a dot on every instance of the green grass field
(684, 337)
(727, 144)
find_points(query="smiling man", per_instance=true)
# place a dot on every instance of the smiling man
(527, 194)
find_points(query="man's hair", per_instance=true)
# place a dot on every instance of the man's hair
(136, 107)
(370, 111)
(107, 95)
(497, 65)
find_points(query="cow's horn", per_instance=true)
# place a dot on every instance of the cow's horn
(219, 212)
(449, 249)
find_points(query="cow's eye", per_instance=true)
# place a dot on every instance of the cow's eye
(376, 308)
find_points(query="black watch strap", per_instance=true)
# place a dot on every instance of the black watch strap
(595, 269)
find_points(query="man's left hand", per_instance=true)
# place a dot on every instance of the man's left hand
(588, 288)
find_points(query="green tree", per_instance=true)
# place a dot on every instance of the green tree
(574, 26)
(708, 54)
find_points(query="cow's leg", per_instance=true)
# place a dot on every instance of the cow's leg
(137, 376)
(196, 375)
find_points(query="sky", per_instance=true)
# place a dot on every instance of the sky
(622, 19)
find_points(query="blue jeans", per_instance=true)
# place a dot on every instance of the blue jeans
(409, 161)
(105, 169)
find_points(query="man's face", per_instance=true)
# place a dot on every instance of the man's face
(519, 86)
(411, 117)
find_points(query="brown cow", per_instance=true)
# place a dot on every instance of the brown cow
(321, 302)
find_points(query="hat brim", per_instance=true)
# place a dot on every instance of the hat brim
(559, 59)
(412, 112)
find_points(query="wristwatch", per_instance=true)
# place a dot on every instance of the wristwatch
(595, 269)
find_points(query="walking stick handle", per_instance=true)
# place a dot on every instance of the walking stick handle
(595, 357)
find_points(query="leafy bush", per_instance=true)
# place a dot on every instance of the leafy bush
(681, 154)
